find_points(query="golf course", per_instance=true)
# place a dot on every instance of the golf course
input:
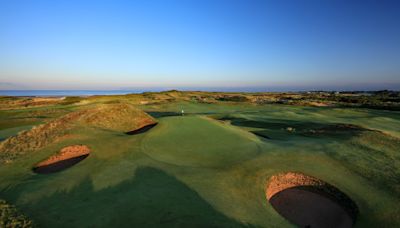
(167, 160)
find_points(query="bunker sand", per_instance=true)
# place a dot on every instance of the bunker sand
(309, 202)
(67, 157)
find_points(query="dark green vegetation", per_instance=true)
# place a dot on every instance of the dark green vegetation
(10, 217)
(207, 168)
(389, 100)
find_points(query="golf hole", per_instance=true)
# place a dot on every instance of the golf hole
(310, 202)
(67, 157)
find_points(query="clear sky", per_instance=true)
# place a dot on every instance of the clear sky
(277, 45)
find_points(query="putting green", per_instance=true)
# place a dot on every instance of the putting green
(199, 142)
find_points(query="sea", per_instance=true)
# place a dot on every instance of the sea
(64, 93)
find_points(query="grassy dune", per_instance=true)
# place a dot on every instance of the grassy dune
(208, 168)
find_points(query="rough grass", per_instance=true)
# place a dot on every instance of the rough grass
(10, 217)
(374, 156)
(7, 103)
(115, 117)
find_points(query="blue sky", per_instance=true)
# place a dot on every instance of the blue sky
(277, 45)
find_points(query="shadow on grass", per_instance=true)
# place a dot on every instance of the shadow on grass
(59, 166)
(141, 130)
(163, 114)
(152, 198)
(167, 114)
(260, 134)
(307, 206)
(292, 127)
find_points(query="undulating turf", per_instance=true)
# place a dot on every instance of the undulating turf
(208, 168)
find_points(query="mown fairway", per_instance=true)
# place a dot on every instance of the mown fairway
(208, 167)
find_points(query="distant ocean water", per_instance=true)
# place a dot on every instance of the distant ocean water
(62, 93)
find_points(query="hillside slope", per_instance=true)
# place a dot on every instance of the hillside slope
(116, 117)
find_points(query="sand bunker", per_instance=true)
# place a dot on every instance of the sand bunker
(309, 202)
(67, 157)
(142, 129)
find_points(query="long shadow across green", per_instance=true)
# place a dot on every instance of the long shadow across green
(303, 128)
(152, 198)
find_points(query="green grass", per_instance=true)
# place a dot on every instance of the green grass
(4, 134)
(199, 142)
(195, 171)
(117, 117)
